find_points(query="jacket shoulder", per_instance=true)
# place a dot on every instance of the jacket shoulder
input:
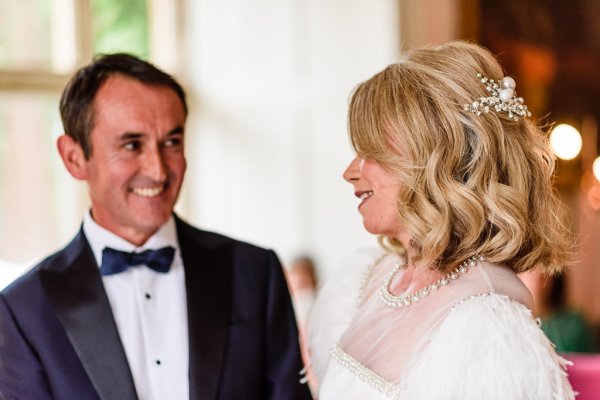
(213, 239)
(57, 261)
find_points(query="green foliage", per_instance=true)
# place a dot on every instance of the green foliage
(120, 26)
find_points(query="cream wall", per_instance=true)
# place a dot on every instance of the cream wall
(270, 82)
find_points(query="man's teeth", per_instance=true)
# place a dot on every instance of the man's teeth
(366, 194)
(148, 192)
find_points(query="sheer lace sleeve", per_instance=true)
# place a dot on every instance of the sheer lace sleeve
(488, 347)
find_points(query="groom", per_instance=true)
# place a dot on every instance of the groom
(140, 304)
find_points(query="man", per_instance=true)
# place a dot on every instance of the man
(140, 304)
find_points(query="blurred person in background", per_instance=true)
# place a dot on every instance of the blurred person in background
(564, 325)
(303, 282)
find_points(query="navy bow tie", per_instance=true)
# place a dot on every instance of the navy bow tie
(116, 261)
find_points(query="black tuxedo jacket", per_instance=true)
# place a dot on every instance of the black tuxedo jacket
(58, 338)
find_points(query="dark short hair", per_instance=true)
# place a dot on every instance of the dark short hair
(76, 102)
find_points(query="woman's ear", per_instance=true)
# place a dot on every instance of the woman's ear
(72, 156)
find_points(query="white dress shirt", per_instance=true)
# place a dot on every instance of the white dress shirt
(150, 310)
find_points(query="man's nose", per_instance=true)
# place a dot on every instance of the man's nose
(352, 172)
(154, 164)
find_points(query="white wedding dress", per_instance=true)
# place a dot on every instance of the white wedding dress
(474, 338)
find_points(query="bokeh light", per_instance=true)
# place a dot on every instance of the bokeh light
(596, 168)
(565, 141)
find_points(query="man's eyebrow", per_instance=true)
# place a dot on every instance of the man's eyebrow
(131, 135)
(176, 131)
(137, 135)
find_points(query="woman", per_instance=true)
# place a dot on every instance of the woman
(454, 175)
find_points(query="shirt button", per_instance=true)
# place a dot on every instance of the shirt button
(148, 296)
(157, 362)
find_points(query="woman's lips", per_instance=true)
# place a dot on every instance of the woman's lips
(363, 195)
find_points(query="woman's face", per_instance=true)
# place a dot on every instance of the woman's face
(377, 190)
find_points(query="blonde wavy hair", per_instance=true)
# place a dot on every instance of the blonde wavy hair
(469, 184)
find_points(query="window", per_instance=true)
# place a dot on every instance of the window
(42, 42)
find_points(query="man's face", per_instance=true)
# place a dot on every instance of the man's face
(137, 163)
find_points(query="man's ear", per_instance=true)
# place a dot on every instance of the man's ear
(72, 156)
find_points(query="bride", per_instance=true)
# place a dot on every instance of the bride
(455, 176)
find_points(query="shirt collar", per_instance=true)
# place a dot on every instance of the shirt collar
(99, 238)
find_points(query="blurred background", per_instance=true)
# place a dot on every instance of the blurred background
(268, 84)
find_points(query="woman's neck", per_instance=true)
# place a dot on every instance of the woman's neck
(414, 278)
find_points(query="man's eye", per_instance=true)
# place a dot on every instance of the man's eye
(172, 142)
(131, 146)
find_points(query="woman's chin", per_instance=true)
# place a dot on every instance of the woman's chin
(378, 229)
(373, 229)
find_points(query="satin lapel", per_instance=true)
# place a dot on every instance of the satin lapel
(76, 292)
(208, 283)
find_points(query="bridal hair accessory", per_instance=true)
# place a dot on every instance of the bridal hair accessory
(502, 98)
(394, 301)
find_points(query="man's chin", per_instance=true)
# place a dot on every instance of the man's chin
(153, 222)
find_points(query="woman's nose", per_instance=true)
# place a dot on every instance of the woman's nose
(352, 172)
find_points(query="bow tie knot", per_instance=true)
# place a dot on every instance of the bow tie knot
(116, 261)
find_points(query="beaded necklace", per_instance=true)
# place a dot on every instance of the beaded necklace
(394, 301)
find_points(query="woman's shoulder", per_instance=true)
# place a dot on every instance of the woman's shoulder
(503, 280)
(493, 343)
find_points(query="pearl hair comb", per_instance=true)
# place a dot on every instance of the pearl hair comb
(502, 98)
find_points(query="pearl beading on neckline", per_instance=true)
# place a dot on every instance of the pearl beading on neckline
(363, 373)
(394, 301)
